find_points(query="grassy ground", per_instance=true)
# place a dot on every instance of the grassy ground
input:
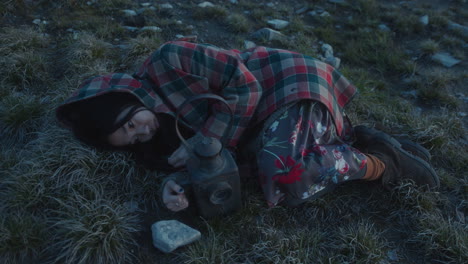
(63, 202)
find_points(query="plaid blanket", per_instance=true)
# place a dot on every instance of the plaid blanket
(255, 83)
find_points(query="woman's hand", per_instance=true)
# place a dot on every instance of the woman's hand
(179, 157)
(174, 197)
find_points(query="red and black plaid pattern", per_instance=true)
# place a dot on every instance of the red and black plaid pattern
(255, 83)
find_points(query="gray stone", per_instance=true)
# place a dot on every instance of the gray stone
(171, 234)
(312, 13)
(166, 6)
(129, 12)
(385, 28)
(145, 4)
(130, 28)
(206, 4)
(36, 21)
(249, 44)
(333, 61)
(340, 2)
(445, 59)
(151, 28)
(458, 27)
(461, 114)
(424, 20)
(234, 2)
(270, 4)
(302, 10)
(327, 50)
(325, 14)
(413, 94)
(392, 255)
(268, 34)
(278, 23)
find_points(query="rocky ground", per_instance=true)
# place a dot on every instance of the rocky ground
(408, 58)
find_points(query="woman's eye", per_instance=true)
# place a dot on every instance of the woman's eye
(130, 124)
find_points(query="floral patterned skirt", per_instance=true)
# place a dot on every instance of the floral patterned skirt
(301, 157)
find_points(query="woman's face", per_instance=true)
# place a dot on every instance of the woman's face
(140, 128)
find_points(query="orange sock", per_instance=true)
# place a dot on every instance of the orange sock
(375, 168)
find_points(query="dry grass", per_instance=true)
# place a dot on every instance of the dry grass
(63, 202)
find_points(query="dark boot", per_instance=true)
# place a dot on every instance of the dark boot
(401, 165)
(365, 134)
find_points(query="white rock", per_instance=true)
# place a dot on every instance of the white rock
(206, 4)
(129, 12)
(249, 44)
(278, 23)
(171, 234)
(130, 28)
(179, 22)
(461, 114)
(325, 14)
(268, 34)
(333, 61)
(302, 10)
(145, 4)
(270, 4)
(178, 36)
(235, 2)
(36, 21)
(166, 6)
(151, 28)
(385, 28)
(424, 20)
(445, 59)
(327, 50)
(413, 94)
(461, 28)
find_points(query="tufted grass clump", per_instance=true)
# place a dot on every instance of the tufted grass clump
(408, 24)
(367, 8)
(23, 63)
(429, 46)
(20, 115)
(361, 243)
(378, 49)
(447, 237)
(90, 55)
(207, 13)
(23, 237)
(94, 229)
(139, 49)
(238, 23)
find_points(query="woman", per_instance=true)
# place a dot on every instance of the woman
(289, 103)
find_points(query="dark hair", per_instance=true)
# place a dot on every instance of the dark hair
(93, 120)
